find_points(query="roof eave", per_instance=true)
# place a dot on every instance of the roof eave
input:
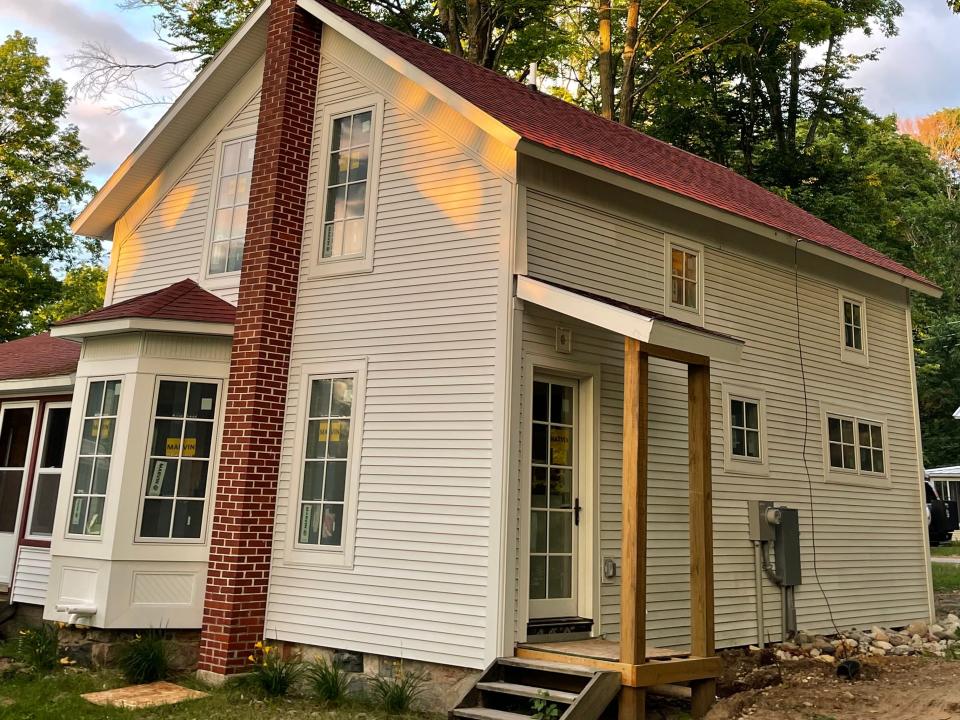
(94, 220)
(669, 197)
(48, 384)
(135, 324)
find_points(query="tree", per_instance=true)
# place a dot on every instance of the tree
(42, 166)
(940, 132)
(81, 291)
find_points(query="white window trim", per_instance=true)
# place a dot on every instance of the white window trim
(37, 471)
(78, 441)
(353, 264)
(208, 280)
(671, 309)
(736, 464)
(319, 555)
(28, 458)
(850, 355)
(855, 476)
(208, 498)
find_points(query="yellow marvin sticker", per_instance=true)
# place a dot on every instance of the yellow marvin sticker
(560, 445)
(334, 428)
(173, 447)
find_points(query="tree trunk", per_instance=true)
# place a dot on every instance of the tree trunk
(627, 80)
(605, 61)
(451, 28)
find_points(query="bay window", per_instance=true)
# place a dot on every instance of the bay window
(93, 458)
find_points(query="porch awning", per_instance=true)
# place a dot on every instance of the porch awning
(629, 320)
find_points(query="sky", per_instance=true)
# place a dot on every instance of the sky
(915, 74)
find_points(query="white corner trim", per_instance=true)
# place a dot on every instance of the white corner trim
(119, 325)
(470, 111)
(646, 329)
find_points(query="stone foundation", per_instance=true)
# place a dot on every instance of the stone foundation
(101, 648)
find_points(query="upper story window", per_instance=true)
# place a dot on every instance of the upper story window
(852, 324)
(349, 170)
(346, 196)
(93, 459)
(855, 445)
(684, 278)
(230, 212)
(744, 429)
(853, 329)
(181, 452)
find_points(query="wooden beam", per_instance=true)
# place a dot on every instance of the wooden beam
(633, 538)
(701, 512)
(679, 356)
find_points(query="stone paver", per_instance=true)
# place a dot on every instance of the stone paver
(143, 696)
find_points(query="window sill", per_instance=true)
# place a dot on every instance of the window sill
(687, 315)
(737, 466)
(854, 357)
(839, 477)
(339, 268)
(299, 557)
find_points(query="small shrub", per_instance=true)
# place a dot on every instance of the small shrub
(39, 647)
(271, 672)
(543, 709)
(329, 681)
(397, 694)
(146, 658)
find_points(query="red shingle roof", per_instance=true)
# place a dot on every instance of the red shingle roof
(558, 125)
(184, 300)
(38, 356)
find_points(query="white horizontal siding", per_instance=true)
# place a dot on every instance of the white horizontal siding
(425, 319)
(864, 536)
(167, 245)
(32, 576)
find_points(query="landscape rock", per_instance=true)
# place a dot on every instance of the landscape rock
(917, 628)
(883, 645)
(879, 634)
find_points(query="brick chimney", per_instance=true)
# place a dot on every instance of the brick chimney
(242, 527)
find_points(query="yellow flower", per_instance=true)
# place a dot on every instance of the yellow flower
(266, 649)
(259, 644)
(67, 661)
(252, 658)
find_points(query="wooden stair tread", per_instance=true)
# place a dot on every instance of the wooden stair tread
(529, 691)
(545, 666)
(480, 713)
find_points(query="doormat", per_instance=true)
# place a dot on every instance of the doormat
(143, 696)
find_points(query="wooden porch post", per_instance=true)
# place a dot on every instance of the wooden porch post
(633, 549)
(701, 530)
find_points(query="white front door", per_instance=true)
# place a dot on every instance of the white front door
(16, 446)
(554, 498)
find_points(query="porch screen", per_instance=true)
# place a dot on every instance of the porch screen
(14, 448)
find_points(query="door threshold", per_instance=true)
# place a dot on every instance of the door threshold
(559, 628)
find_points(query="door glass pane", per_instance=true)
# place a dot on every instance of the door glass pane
(44, 503)
(10, 483)
(559, 576)
(538, 531)
(538, 577)
(54, 438)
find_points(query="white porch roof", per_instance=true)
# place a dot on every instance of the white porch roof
(951, 472)
(628, 320)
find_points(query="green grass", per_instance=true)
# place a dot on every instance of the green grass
(56, 696)
(945, 577)
(952, 549)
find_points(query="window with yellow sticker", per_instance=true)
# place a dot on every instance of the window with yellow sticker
(178, 468)
(325, 464)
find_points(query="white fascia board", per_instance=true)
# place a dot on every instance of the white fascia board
(675, 199)
(471, 112)
(49, 384)
(79, 224)
(120, 325)
(654, 331)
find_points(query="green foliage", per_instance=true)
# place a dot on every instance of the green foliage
(81, 291)
(146, 658)
(42, 166)
(543, 709)
(329, 682)
(946, 577)
(38, 647)
(272, 673)
(397, 694)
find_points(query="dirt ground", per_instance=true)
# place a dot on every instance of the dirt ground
(898, 688)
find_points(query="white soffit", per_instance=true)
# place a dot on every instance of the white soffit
(121, 325)
(645, 328)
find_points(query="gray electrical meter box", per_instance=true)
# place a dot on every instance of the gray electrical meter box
(786, 546)
(761, 528)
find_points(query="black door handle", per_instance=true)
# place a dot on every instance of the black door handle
(576, 512)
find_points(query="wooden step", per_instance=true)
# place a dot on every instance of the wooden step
(480, 713)
(545, 666)
(528, 691)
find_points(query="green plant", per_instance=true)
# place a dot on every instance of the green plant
(39, 647)
(271, 672)
(398, 693)
(543, 709)
(329, 681)
(146, 658)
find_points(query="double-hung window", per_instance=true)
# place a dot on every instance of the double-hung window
(323, 506)
(684, 278)
(744, 429)
(853, 329)
(182, 441)
(348, 188)
(46, 482)
(232, 197)
(855, 445)
(97, 434)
